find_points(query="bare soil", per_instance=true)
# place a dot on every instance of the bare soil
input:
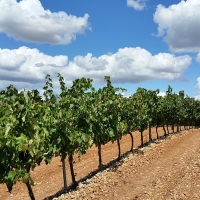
(165, 169)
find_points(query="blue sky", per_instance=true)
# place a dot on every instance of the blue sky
(139, 43)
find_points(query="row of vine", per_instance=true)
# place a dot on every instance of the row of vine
(35, 128)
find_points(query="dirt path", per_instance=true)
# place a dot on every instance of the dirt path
(167, 169)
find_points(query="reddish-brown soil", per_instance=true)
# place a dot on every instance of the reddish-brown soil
(166, 169)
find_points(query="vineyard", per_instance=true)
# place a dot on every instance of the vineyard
(35, 128)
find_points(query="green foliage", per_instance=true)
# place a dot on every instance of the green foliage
(35, 128)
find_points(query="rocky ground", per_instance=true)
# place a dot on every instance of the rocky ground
(166, 169)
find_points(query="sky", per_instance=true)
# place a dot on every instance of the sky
(138, 43)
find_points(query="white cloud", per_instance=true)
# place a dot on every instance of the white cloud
(162, 94)
(28, 67)
(197, 97)
(179, 24)
(29, 21)
(128, 65)
(124, 94)
(198, 57)
(131, 65)
(137, 4)
(198, 89)
(198, 84)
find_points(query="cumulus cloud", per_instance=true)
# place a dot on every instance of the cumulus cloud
(179, 24)
(198, 57)
(137, 4)
(127, 65)
(29, 21)
(197, 97)
(198, 89)
(162, 94)
(28, 67)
